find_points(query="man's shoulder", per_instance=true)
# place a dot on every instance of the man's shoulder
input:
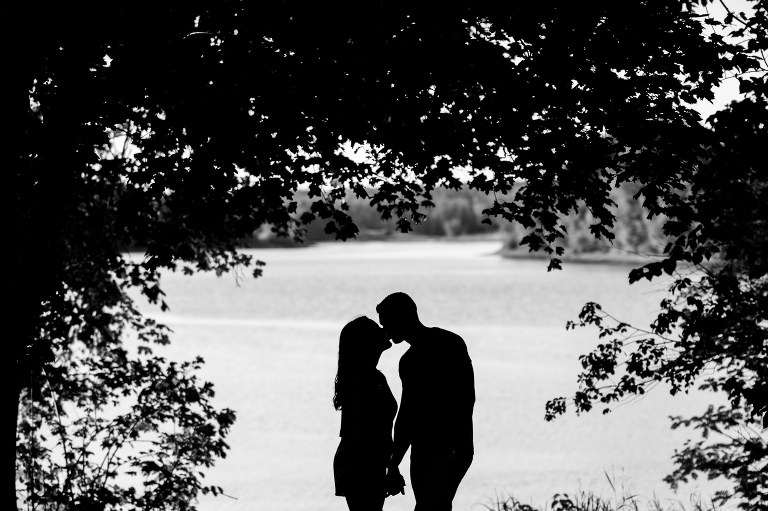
(446, 339)
(446, 335)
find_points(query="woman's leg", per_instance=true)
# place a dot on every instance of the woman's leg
(364, 502)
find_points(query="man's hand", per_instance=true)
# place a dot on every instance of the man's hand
(394, 482)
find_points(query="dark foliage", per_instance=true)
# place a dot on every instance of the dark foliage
(183, 127)
(712, 330)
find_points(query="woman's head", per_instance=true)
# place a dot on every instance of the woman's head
(361, 344)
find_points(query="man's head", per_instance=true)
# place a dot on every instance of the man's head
(398, 316)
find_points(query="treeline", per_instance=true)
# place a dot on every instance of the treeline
(460, 213)
(634, 231)
(456, 213)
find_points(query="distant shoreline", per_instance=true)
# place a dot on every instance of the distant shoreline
(611, 256)
(375, 237)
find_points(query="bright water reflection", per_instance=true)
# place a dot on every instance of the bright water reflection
(270, 347)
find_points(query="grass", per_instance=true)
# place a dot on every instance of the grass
(588, 501)
(618, 499)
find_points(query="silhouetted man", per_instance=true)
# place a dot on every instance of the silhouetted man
(435, 415)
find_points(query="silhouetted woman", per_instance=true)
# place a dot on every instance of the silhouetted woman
(367, 411)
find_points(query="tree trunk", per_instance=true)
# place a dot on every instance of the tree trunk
(17, 328)
(9, 404)
(37, 188)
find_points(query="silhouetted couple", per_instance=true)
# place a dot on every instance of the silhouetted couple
(434, 419)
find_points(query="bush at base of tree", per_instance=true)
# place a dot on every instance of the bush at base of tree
(107, 423)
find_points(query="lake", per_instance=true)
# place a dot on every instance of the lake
(270, 346)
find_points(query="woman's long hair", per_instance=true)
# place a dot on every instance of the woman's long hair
(352, 351)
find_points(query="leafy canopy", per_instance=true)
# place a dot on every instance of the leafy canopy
(181, 127)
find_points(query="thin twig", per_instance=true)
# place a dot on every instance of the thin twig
(68, 480)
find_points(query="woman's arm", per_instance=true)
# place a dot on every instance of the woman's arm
(402, 431)
(402, 440)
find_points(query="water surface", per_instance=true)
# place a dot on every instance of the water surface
(270, 345)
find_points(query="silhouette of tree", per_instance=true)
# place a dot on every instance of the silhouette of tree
(183, 127)
(712, 329)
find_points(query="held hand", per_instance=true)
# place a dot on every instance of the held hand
(394, 482)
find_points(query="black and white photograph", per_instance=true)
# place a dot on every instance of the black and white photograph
(386, 256)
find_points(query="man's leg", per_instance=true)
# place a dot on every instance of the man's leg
(435, 477)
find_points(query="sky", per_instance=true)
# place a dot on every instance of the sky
(729, 88)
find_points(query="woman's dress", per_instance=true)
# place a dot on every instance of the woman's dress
(367, 413)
